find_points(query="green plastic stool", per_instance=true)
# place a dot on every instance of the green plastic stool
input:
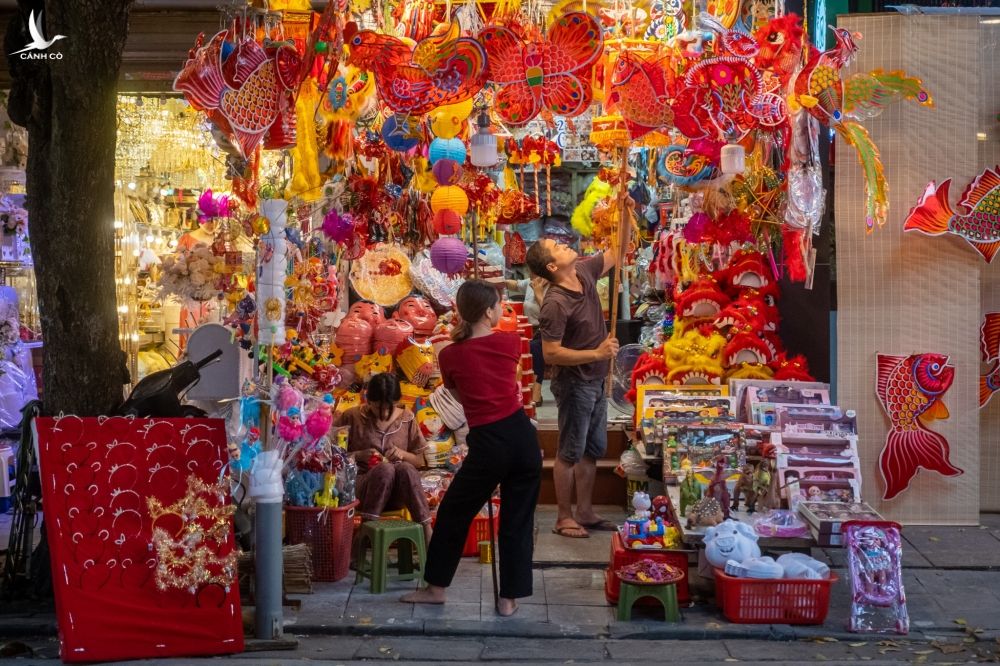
(381, 534)
(666, 593)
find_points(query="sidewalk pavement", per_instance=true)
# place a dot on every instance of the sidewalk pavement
(951, 576)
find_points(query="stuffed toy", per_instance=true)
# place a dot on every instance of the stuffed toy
(730, 540)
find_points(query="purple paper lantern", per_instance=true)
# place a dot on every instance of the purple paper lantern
(447, 172)
(338, 228)
(449, 254)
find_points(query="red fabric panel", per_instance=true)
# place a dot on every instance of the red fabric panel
(97, 475)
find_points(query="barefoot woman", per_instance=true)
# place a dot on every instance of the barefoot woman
(481, 369)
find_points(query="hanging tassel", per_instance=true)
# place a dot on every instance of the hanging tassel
(538, 203)
(548, 188)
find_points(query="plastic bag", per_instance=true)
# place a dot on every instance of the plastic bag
(347, 480)
(632, 463)
(780, 523)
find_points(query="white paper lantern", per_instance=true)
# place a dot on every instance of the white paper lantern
(734, 159)
(484, 144)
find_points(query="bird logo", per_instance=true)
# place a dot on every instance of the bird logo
(38, 41)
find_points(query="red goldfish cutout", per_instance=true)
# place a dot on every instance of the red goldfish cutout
(550, 75)
(910, 389)
(990, 348)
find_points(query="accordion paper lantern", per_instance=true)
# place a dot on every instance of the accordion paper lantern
(447, 222)
(449, 254)
(401, 133)
(447, 149)
(450, 197)
(447, 172)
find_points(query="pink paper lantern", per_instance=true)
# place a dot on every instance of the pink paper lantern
(447, 172)
(449, 254)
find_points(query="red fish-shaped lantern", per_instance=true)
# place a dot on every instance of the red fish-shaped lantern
(441, 69)
(246, 95)
(642, 86)
(910, 389)
(549, 75)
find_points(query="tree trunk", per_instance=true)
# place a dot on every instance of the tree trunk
(68, 106)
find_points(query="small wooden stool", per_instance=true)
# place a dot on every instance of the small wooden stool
(381, 534)
(632, 592)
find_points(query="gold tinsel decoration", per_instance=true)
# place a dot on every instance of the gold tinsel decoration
(189, 558)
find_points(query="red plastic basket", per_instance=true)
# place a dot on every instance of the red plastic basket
(784, 601)
(479, 530)
(328, 534)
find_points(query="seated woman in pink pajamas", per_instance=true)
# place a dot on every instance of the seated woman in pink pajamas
(385, 441)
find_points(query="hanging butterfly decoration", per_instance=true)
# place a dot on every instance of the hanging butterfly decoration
(548, 75)
(443, 68)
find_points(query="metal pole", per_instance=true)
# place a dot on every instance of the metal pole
(267, 491)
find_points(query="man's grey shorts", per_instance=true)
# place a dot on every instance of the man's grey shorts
(583, 418)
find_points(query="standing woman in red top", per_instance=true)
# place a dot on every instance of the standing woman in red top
(480, 368)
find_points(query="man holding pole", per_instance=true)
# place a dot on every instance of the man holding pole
(575, 342)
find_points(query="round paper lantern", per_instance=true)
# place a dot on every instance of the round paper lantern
(400, 133)
(447, 172)
(447, 149)
(450, 197)
(447, 121)
(449, 254)
(447, 222)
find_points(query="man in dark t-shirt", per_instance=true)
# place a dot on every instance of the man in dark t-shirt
(576, 343)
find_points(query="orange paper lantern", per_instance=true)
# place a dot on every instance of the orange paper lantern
(450, 197)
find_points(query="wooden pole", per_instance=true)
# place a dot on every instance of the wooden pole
(619, 249)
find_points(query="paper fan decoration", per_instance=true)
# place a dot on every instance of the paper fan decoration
(431, 282)
(382, 276)
(549, 74)
(441, 69)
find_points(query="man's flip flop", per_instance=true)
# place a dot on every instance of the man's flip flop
(571, 532)
(601, 526)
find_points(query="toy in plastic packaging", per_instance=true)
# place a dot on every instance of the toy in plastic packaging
(347, 479)
(874, 558)
(780, 523)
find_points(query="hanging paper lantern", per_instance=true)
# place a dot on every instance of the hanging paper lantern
(400, 133)
(447, 172)
(449, 254)
(450, 197)
(447, 222)
(447, 149)
(447, 121)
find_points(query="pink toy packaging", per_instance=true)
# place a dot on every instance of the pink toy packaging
(875, 562)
